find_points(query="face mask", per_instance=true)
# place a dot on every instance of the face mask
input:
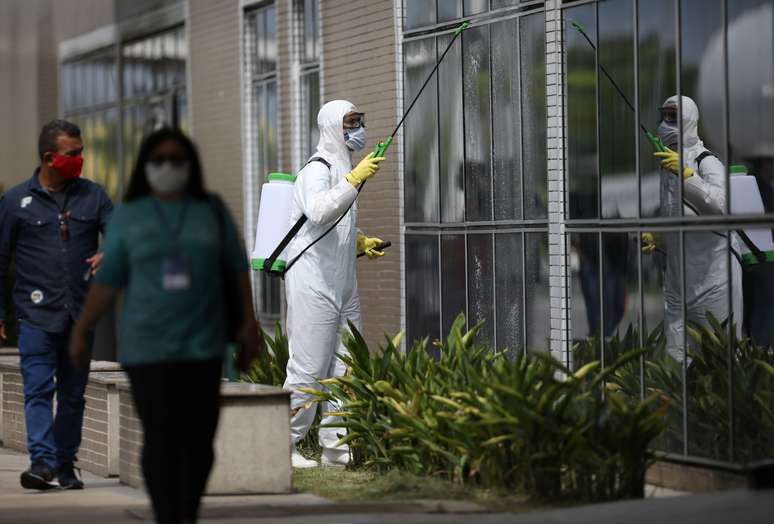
(669, 134)
(166, 178)
(355, 138)
(68, 167)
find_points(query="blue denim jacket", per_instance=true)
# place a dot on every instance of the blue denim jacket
(52, 275)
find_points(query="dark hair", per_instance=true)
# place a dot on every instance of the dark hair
(52, 131)
(138, 183)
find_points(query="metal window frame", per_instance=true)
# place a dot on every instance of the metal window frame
(492, 227)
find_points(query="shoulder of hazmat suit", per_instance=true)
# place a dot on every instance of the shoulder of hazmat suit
(321, 289)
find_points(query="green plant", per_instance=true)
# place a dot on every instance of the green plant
(476, 416)
(714, 378)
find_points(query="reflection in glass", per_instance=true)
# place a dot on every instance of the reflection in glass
(510, 291)
(311, 30)
(473, 7)
(311, 101)
(478, 134)
(657, 55)
(584, 265)
(481, 286)
(538, 295)
(620, 283)
(419, 13)
(453, 295)
(451, 140)
(617, 130)
(422, 288)
(581, 116)
(449, 9)
(506, 123)
(420, 135)
(533, 84)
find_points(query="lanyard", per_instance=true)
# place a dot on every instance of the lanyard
(174, 232)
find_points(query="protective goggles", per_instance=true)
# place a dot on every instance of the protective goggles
(354, 121)
(669, 115)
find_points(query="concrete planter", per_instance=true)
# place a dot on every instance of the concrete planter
(252, 445)
(98, 453)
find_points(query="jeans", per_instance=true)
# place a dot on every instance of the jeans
(46, 370)
(178, 405)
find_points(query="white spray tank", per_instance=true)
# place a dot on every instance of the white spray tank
(274, 221)
(746, 200)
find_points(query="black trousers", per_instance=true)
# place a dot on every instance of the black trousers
(178, 405)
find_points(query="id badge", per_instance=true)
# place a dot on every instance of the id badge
(175, 273)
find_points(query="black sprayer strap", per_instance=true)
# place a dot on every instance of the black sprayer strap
(760, 256)
(269, 262)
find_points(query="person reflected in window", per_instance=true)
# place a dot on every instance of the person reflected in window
(703, 177)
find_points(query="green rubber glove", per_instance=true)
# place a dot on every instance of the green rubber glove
(364, 170)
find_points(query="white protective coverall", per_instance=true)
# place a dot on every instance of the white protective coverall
(706, 274)
(321, 288)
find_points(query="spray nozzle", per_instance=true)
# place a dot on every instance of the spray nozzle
(577, 26)
(461, 28)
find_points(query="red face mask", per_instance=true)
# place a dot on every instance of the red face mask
(68, 167)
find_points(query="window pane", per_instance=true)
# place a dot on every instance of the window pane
(311, 31)
(620, 283)
(473, 7)
(538, 301)
(271, 38)
(421, 134)
(311, 88)
(497, 4)
(453, 299)
(451, 143)
(270, 136)
(585, 306)
(422, 288)
(506, 122)
(533, 82)
(616, 127)
(419, 13)
(657, 83)
(581, 115)
(751, 95)
(449, 10)
(510, 292)
(481, 286)
(478, 135)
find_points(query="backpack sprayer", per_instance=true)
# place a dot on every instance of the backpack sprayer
(275, 230)
(659, 146)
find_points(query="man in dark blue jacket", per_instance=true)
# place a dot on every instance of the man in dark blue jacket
(51, 224)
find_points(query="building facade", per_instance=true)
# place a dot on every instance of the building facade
(520, 189)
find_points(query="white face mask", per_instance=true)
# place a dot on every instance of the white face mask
(355, 138)
(669, 134)
(167, 178)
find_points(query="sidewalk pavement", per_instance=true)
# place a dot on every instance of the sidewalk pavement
(107, 501)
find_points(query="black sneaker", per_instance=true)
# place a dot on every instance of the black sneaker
(39, 476)
(67, 477)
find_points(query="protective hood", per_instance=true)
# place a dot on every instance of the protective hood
(330, 121)
(692, 144)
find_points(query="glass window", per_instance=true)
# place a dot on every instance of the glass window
(506, 137)
(533, 101)
(420, 135)
(537, 291)
(449, 10)
(453, 280)
(510, 292)
(478, 131)
(422, 288)
(311, 102)
(473, 7)
(481, 286)
(311, 17)
(451, 136)
(419, 13)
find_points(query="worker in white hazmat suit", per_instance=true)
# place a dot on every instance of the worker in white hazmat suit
(321, 289)
(704, 193)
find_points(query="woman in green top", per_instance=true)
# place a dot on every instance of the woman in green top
(171, 248)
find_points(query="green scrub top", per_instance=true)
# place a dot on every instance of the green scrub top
(159, 325)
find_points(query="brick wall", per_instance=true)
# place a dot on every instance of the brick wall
(557, 246)
(359, 64)
(216, 97)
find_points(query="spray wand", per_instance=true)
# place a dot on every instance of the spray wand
(379, 151)
(655, 141)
